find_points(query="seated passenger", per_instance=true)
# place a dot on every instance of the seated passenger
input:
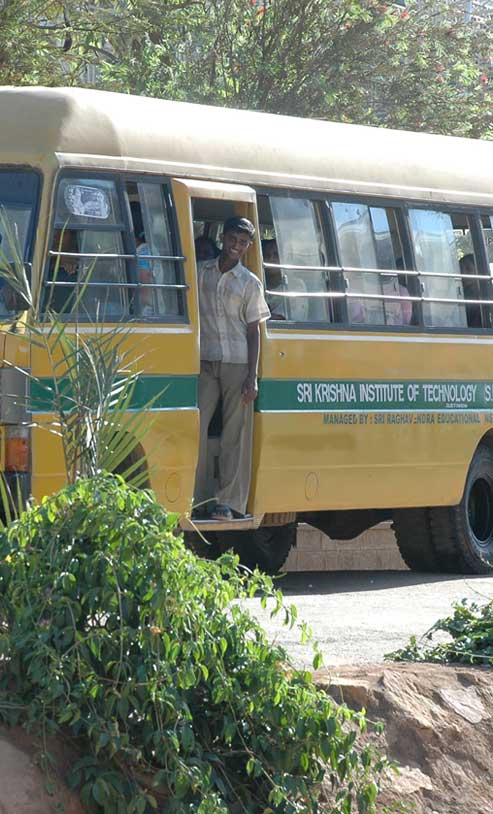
(400, 312)
(205, 248)
(471, 290)
(144, 267)
(397, 312)
(63, 269)
(295, 308)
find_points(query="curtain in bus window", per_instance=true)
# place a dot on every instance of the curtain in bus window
(358, 249)
(300, 243)
(158, 241)
(437, 252)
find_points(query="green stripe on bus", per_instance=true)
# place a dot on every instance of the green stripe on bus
(168, 392)
(326, 395)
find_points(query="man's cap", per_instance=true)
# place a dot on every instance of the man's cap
(239, 224)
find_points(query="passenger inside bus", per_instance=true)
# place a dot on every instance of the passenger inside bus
(81, 280)
(294, 308)
(400, 312)
(144, 268)
(63, 272)
(471, 289)
(206, 248)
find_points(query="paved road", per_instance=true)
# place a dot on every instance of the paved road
(359, 616)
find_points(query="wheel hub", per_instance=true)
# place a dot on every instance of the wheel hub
(480, 511)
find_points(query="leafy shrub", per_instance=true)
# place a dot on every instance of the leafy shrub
(470, 638)
(117, 635)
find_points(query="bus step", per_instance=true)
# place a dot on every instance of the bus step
(240, 524)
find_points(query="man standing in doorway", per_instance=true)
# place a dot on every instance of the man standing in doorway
(232, 306)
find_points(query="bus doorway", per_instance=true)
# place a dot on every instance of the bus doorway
(202, 208)
(223, 479)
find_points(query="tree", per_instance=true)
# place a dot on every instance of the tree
(424, 66)
(51, 42)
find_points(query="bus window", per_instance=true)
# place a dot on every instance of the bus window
(473, 286)
(158, 271)
(88, 213)
(437, 247)
(296, 243)
(369, 241)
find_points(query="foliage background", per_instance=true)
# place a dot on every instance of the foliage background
(425, 66)
(115, 636)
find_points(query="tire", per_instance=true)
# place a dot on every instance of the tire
(463, 534)
(207, 548)
(413, 533)
(266, 548)
(137, 463)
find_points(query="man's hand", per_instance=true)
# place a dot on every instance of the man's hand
(249, 389)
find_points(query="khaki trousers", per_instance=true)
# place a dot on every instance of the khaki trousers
(219, 379)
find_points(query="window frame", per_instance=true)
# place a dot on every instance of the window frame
(371, 203)
(325, 229)
(129, 256)
(401, 208)
(473, 213)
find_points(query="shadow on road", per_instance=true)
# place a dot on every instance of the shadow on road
(338, 582)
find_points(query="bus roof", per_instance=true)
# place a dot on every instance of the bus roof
(89, 128)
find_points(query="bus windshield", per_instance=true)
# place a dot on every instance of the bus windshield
(18, 199)
(18, 202)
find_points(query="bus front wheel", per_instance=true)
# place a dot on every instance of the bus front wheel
(463, 534)
(266, 548)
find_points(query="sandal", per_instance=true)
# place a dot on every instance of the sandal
(221, 512)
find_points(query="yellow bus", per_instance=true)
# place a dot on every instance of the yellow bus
(376, 367)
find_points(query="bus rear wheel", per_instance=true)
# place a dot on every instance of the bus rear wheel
(413, 533)
(266, 548)
(463, 534)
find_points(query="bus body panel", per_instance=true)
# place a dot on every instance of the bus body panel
(365, 456)
(170, 446)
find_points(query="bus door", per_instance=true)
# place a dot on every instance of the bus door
(202, 207)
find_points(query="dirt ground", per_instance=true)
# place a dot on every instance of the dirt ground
(438, 728)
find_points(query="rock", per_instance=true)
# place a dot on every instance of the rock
(408, 781)
(438, 729)
(466, 703)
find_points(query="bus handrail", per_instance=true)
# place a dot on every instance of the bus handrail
(364, 296)
(107, 256)
(391, 272)
(89, 284)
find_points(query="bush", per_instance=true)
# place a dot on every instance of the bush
(115, 634)
(469, 632)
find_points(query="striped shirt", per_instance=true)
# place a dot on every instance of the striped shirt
(228, 302)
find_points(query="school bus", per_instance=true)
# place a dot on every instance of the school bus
(376, 368)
